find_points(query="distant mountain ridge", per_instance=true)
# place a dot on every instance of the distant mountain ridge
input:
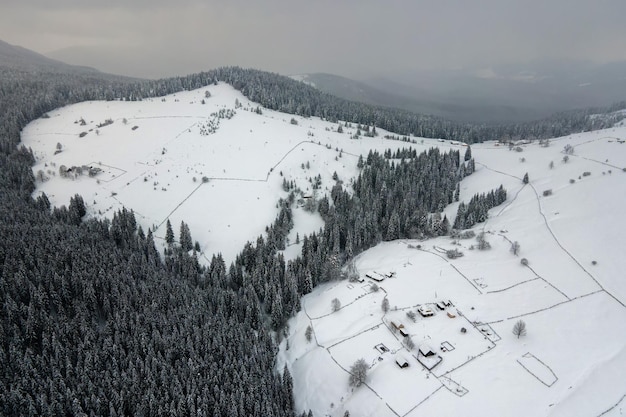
(505, 94)
(278, 92)
(17, 57)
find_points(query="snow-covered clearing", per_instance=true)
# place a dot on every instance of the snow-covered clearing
(155, 154)
(571, 295)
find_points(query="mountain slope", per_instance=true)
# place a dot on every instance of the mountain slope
(17, 57)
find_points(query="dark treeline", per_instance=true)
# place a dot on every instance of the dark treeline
(93, 321)
(281, 93)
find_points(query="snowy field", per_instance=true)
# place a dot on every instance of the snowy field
(155, 154)
(176, 158)
(571, 296)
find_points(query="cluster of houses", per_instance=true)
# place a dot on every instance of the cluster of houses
(426, 354)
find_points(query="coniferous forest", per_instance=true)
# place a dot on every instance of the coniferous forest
(95, 321)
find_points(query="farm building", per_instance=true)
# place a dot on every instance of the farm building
(400, 327)
(373, 275)
(427, 356)
(401, 361)
(426, 350)
(425, 311)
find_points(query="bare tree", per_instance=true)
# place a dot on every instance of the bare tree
(482, 242)
(411, 315)
(385, 305)
(409, 343)
(358, 373)
(515, 248)
(335, 304)
(519, 329)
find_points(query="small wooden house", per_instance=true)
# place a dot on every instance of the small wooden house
(426, 350)
(401, 361)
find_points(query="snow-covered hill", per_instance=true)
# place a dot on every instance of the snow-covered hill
(218, 166)
(218, 162)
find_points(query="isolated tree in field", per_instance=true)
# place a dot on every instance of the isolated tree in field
(385, 305)
(515, 248)
(551, 165)
(308, 333)
(519, 328)
(525, 179)
(169, 233)
(335, 304)
(482, 242)
(358, 373)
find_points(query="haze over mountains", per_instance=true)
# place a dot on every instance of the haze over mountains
(507, 93)
(14, 56)
(504, 93)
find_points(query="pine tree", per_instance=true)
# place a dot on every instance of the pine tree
(186, 243)
(169, 233)
(468, 153)
(287, 388)
(525, 179)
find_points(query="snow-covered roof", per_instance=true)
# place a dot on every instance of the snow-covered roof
(426, 349)
(400, 358)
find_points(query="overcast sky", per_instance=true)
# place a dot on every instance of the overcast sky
(355, 38)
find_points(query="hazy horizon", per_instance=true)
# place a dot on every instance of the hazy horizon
(357, 39)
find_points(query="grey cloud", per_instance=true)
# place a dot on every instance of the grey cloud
(354, 38)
